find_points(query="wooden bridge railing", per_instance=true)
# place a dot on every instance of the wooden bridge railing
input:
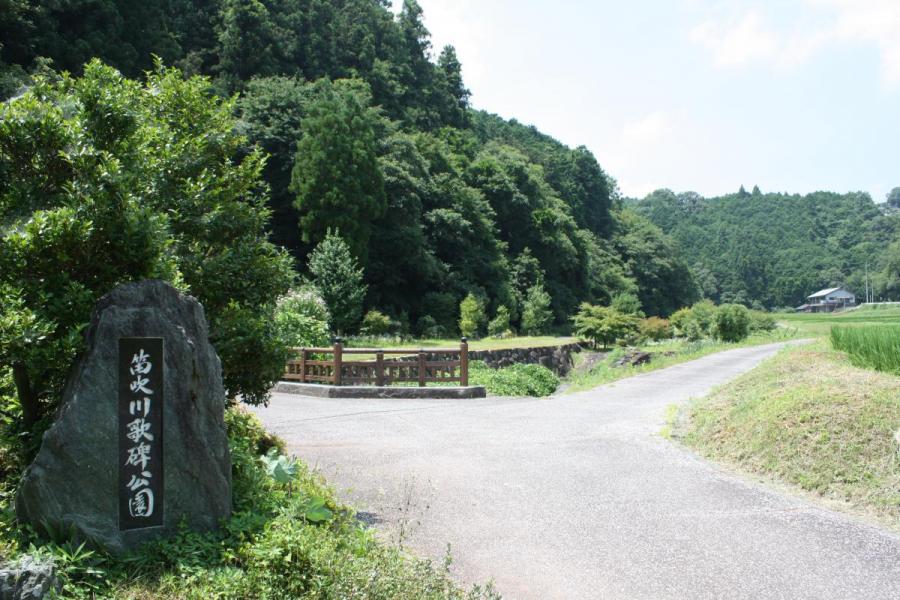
(312, 366)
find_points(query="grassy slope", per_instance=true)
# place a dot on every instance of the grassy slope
(809, 418)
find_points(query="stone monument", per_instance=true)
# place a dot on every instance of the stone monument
(139, 442)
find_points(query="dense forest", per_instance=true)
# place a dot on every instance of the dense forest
(772, 250)
(369, 133)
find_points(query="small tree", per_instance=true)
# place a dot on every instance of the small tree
(732, 322)
(499, 325)
(603, 325)
(536, 313)
(471, 316)
(375, 323)
(340, 280)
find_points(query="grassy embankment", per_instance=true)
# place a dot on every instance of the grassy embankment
(288, 537)
(810, 418)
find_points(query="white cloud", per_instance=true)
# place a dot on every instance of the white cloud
(742, 41)
(647, 130)
(750, 37)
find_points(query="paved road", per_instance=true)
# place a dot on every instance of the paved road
(577, 497)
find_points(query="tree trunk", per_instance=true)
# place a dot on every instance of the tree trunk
(27, 398)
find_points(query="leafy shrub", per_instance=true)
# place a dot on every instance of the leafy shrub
(376, 323)
(603, 325)
(762, 321)
(301, 318)
(428, 327)
(656, 328)
(536, 314)
(515, 380)
(697, 322)
(732, 322)
(499, 325)
(471, 316)
(704, 313)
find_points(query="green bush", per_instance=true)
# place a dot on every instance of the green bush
(732, 323)
(656, 328)
(499, 325)
(376, 323)
(871, 347)
(762, 321)
(471, 316)
(427, 327)
(697, 322)
(301, 318)
(604, 325)
(515, 380)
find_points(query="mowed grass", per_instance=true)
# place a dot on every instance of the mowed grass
(872, 346)
(810, 418)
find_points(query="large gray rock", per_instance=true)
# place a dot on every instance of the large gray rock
(74, 481)
(28, 579)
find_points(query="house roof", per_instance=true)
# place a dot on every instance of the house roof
(824, 292)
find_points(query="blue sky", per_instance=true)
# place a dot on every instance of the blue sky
(702, 95)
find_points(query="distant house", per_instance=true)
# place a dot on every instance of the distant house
(828, 300)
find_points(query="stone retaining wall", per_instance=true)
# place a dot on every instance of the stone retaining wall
(556, 358)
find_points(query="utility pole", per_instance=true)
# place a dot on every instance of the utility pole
(867, 282)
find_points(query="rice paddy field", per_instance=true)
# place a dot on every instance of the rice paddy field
(820, 324)
(869, 346)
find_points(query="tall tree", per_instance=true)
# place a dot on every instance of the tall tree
(336, 177)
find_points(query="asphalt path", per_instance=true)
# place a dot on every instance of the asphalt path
(579, 497)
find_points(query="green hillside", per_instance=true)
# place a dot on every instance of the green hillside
(772, 250)
(369, 132)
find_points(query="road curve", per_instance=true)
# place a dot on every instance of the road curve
(578, 497)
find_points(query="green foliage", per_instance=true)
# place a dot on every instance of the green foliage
(105, 182)
(471, 316)
(772, 250)
(628, 303)
(536, 314)
(732, 322)
(893, 198)
(762, 321)
(499, 325)
(336, 176)
(301, 318)
(515, 380)
(655, 328)
(603, 325)
(339, 279)
(376, 323)
(870, 347)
